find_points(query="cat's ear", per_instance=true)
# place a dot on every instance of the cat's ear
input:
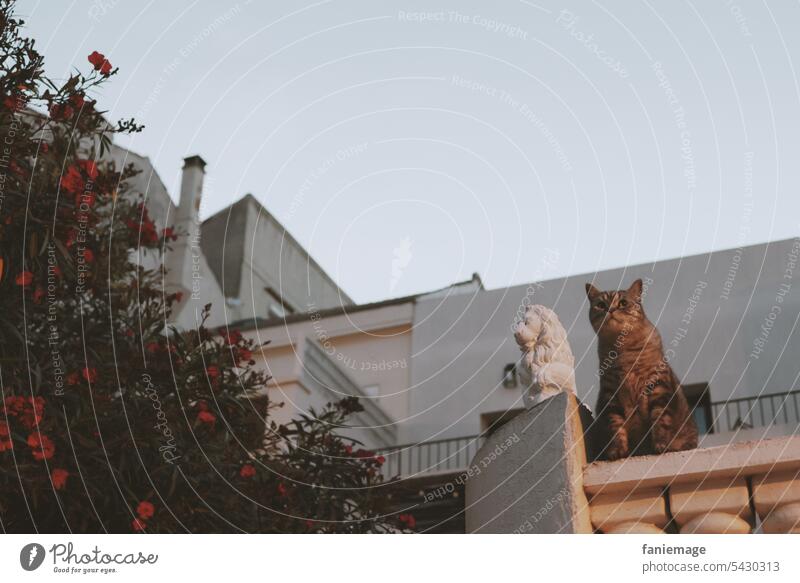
(636, 290)
(591, 291)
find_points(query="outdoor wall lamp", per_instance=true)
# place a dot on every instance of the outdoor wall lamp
(510, 376)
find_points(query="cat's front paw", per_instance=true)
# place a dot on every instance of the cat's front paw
(663, 438)
(660, 448)
(616, 451)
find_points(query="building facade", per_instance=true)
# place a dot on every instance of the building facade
(436, 371)
(728, 320)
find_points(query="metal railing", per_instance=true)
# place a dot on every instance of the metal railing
(440, 455)
(758, 411)
(450, 455)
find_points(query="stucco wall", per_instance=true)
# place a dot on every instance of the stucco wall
(369, 347)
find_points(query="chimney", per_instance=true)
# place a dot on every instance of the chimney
(182, 274)
(191, 192)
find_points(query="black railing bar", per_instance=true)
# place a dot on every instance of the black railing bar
(421, 443)
(784, 406)
(761, 396)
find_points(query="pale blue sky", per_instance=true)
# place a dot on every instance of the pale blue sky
(408, 150)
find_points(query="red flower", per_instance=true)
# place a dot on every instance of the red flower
(16, 168)
(212, 372)
(281, 489)
(77, 100)
(169, 234)
(247, 471)
(348, 449)
(41, 446)
(380, 460)
(89, 167)
(138, 525)
(59, 477)
(105, 69)
(152, 347)
(14, 404)
(88, 256)
(5, 437)
(232, 337)
(72, 234)
(61, 111)
(97, 60)
(178, 296)
(32, 412)
(72, 181)
(38, 294)
(207, 417)
(408, 520)
(24, 278)
(89, 374)
(73, 378)
(145, 510)
(146, 227)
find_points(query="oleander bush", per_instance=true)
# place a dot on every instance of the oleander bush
(111, 420)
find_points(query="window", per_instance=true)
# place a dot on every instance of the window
(276, 311)
(510, 376)
(699, 397)
(283, 304)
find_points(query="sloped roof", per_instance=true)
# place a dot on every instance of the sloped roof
(223, 243)
(473, 284)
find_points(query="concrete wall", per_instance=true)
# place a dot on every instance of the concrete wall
(461, 343)
(527, 477)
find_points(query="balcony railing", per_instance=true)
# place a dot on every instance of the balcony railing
(450, 455)
(758, 411)
(440, 455)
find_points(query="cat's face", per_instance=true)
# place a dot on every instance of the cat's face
(615, 312)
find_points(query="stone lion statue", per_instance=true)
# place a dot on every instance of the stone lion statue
(547, 366)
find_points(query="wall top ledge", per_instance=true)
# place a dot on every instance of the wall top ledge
(727, 461)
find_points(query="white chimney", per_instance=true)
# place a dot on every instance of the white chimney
(184, 253)
(191, 191)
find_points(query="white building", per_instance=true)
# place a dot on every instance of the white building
(436, 371)
(728, 320)
(241, 260)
